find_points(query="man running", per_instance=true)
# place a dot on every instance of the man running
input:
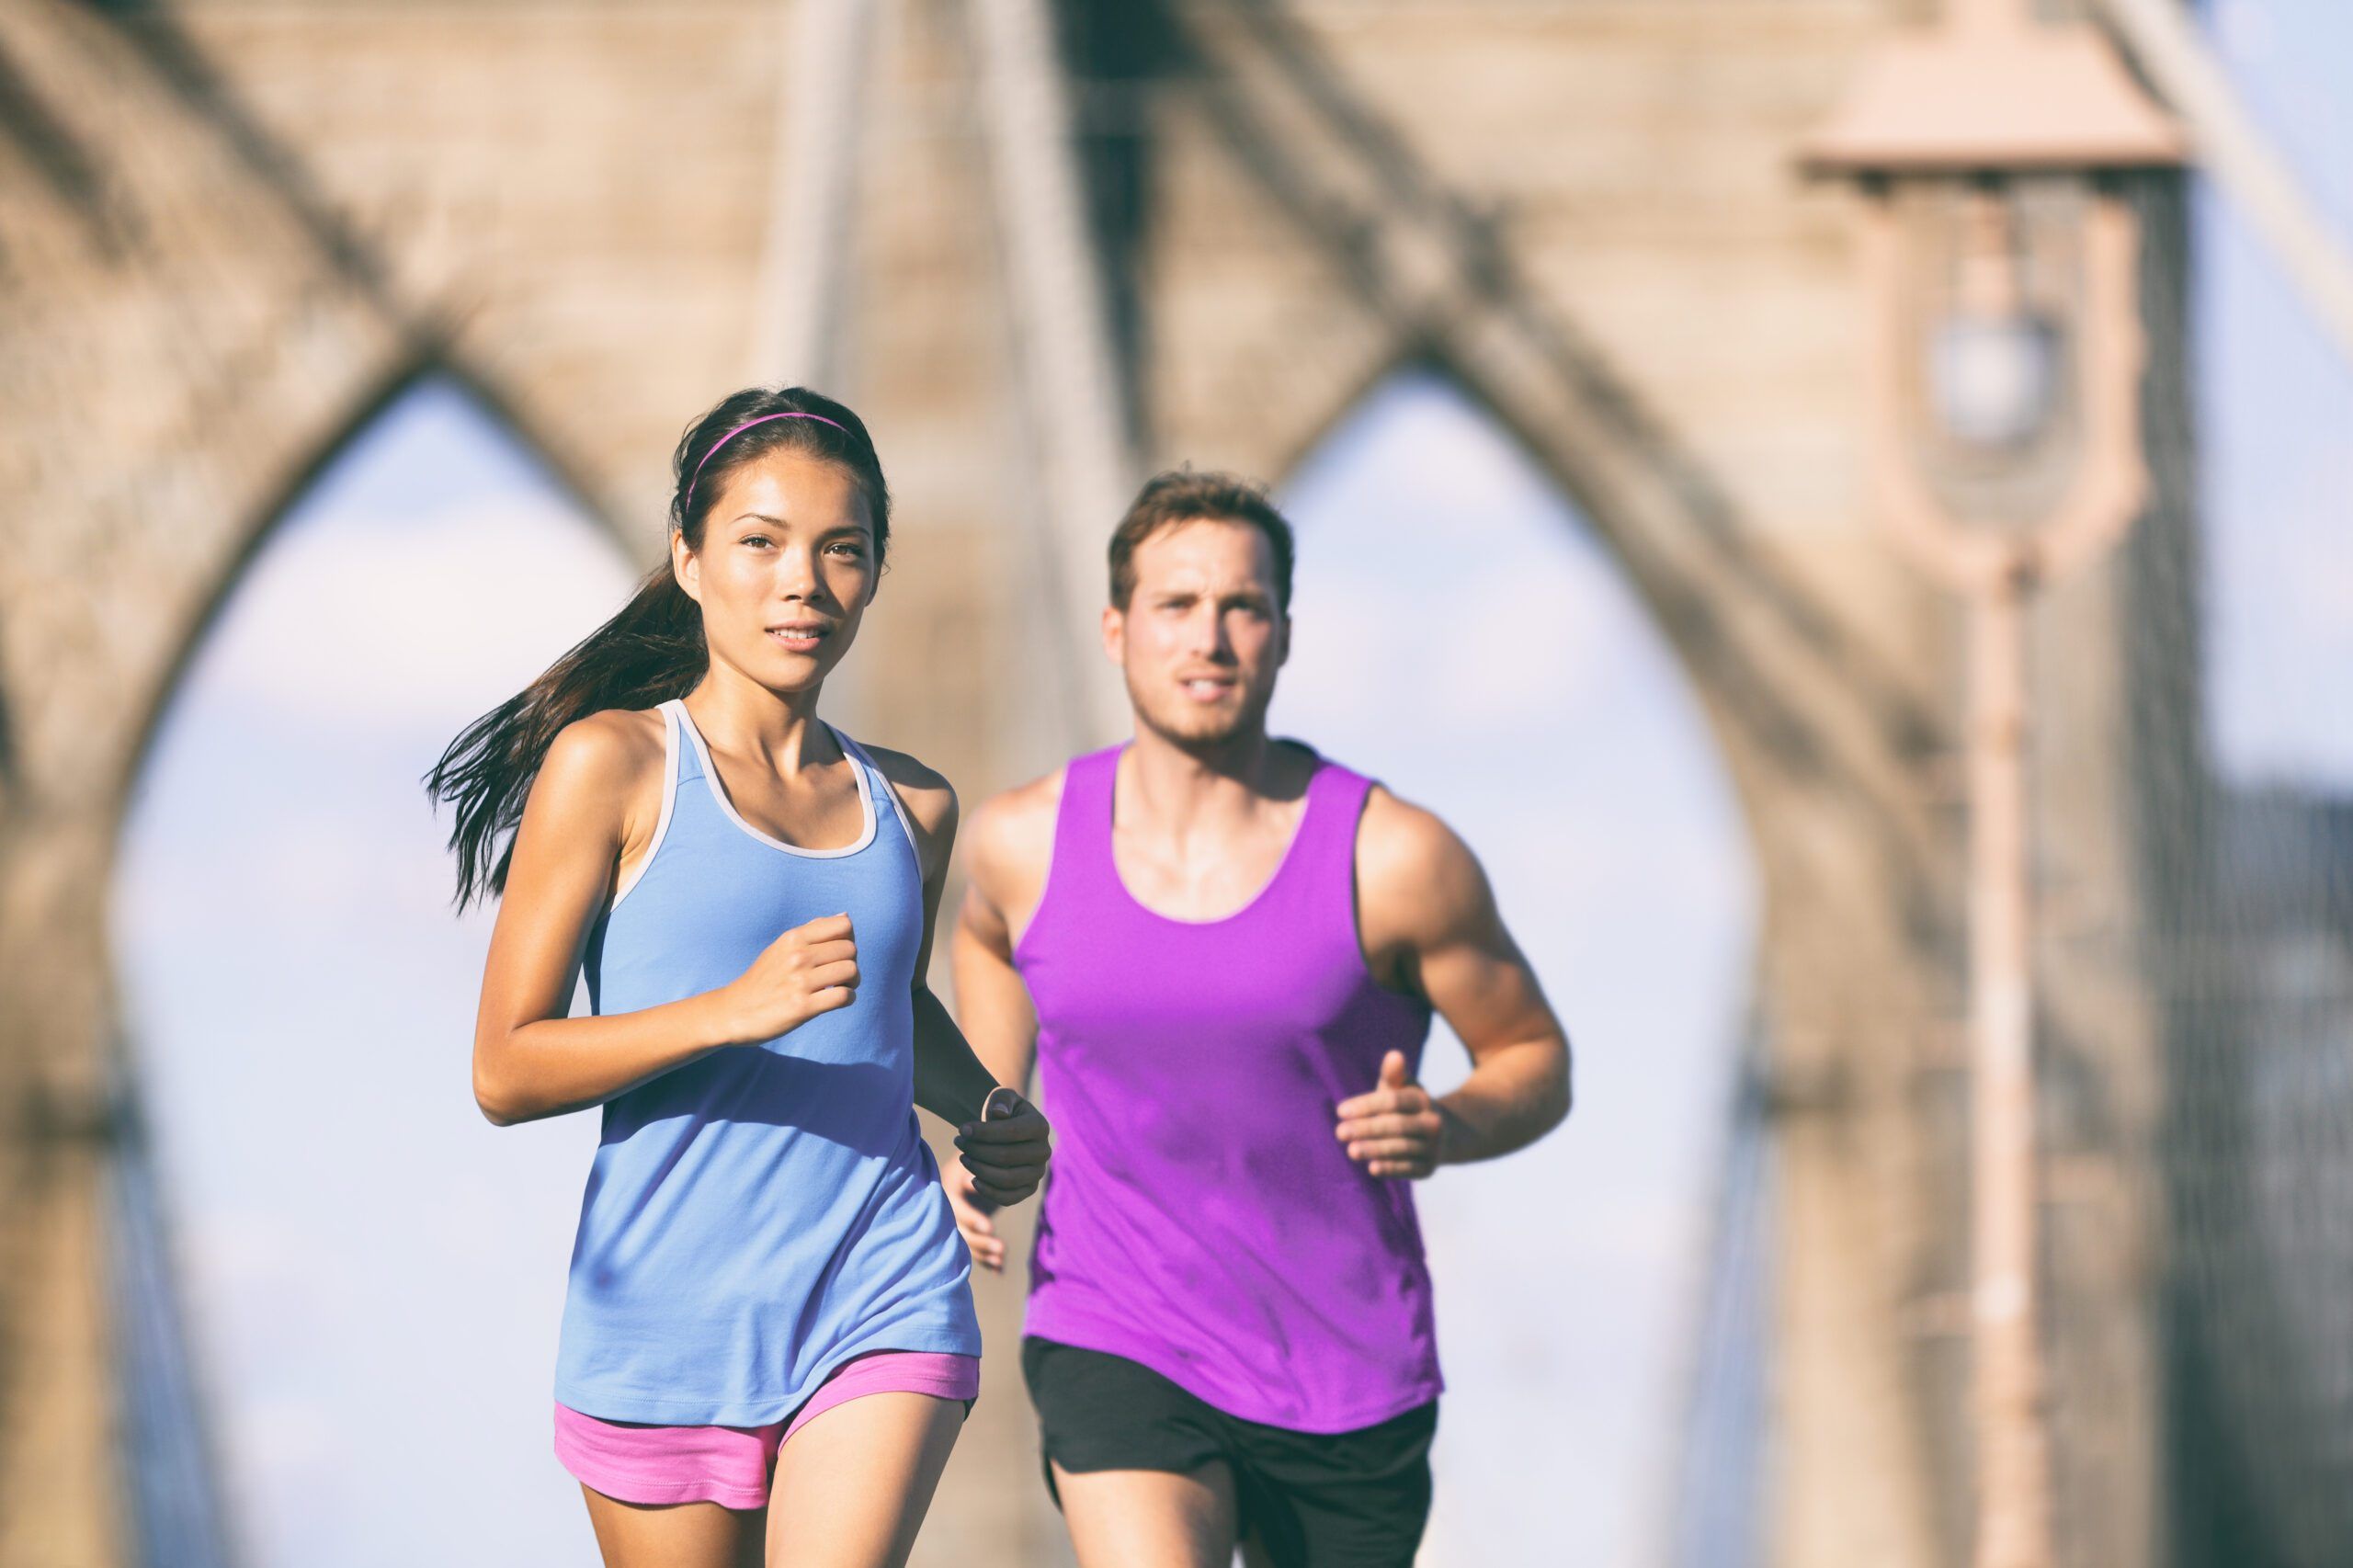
(1223, 951)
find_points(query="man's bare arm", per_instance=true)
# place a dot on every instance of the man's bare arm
(1431, 926)
(1004, 1159)
(1009, 843)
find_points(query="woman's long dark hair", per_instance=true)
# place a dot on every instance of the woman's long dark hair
(653, 649)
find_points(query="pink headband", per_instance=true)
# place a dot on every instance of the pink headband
(746, 425)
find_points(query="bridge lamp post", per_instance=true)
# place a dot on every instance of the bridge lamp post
(2003, 421)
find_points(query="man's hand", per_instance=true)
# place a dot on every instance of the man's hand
(1397, 1130)
(975, 1217)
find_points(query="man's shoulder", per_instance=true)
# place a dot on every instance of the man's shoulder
(1403, 848)
(1015, 827)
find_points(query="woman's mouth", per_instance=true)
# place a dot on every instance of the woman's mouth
(800, 638)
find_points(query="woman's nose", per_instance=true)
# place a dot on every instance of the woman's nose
(796, 575)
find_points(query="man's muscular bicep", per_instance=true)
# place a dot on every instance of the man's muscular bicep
(1429, 917)
(1417, 888)
(1486, 991)
(980, 921)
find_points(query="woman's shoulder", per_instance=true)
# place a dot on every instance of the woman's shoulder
(608, 750)
(903, 768)
(929, 798)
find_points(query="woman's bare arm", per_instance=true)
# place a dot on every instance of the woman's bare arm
(1004, 1157)
(596, 794)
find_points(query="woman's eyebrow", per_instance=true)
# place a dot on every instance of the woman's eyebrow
(861, 530)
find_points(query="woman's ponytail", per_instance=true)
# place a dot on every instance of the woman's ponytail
(650, 653)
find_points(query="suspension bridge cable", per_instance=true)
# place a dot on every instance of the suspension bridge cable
(2163, 40)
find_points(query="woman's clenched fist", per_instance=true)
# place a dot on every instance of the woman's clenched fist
(809, 969)
(1005, 1152)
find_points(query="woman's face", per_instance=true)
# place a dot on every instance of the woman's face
(786, 568)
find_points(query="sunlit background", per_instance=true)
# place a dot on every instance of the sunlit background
(372, 1275)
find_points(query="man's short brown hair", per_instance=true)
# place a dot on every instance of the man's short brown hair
(1181, 495)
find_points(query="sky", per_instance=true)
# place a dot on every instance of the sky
(373, 1274)
(2274, 413)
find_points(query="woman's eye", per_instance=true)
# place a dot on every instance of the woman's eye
(850, 550)
(760, 539)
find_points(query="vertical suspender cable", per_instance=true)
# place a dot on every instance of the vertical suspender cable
(798, 303)
(2164, 42)
(1069, 370)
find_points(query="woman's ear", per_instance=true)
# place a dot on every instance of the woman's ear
(686, 566)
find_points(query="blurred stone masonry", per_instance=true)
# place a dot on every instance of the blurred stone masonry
(231, 230)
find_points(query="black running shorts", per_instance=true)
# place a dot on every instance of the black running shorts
(1354, 1499)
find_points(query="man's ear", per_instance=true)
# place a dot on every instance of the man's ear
(1284, 658)
(1115, 634)
(686, 567)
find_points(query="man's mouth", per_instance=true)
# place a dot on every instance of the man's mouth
(1207, 688)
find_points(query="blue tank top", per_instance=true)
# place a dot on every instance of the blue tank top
(760, 1215)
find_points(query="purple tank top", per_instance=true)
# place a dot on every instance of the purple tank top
(1201, 1217)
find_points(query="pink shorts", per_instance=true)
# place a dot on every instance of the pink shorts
(636, 1463)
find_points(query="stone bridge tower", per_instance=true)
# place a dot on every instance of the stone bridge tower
(230, 231)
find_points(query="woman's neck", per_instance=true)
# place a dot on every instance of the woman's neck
(736, 712)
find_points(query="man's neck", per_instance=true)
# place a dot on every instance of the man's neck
(1177, 787)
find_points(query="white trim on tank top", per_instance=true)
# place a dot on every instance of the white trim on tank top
(882, 783)
(669, 801)
(718, 793)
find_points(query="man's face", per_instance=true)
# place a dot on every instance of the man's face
(1201, 636)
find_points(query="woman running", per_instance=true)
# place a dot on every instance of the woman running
(768, 1306)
